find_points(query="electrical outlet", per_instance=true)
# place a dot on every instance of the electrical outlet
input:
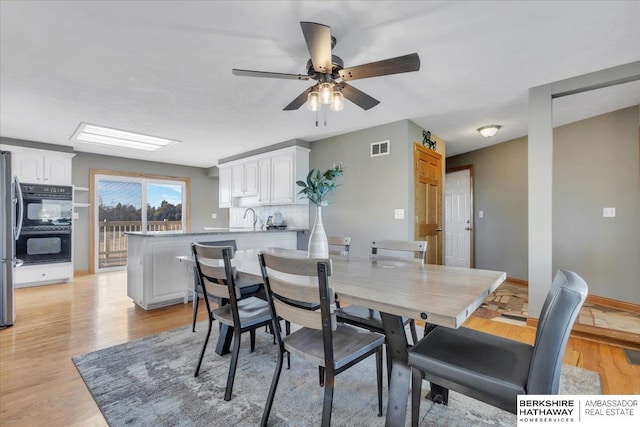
(214, 216)
(76, 215)
(480, 214)
(609, 212)
(398, 214)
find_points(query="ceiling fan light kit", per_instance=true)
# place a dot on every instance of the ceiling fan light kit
(489, 131)
(328, 70)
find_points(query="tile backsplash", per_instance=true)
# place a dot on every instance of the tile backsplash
(295, 216)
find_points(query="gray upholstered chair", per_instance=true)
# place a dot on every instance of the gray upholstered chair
(219, 282)
(493, 369)
(320, 340)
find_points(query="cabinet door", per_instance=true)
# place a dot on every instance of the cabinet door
(237, 180)
(57, 169)
(28, 166)
(282, 176)
(224, 191)
(264, 181)
(251, 178)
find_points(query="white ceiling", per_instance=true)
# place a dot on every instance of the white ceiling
(164, 68)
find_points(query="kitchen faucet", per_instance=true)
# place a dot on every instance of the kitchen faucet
(255, 217)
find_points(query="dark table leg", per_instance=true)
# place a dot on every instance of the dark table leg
(224, 341)
(397, 346)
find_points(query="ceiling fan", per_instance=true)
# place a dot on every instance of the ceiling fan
(331, 76)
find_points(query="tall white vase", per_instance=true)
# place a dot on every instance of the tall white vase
(318, 244)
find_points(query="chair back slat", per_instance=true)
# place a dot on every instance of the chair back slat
(566, 296)
(294, 266)
(339, 246)
(398, 250)
(299, 316)
(296, 290)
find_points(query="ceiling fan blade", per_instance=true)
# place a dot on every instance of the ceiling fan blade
(357, 96)
(299, 101)
(251, 73)
(318, 38)
(401, 64)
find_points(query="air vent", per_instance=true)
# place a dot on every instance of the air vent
(381, 148)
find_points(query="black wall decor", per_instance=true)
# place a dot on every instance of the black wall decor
(426, 140)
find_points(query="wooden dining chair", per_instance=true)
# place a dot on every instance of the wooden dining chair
(493, 369)
(339, 246)
(385, 250)
(320, 340)
(246, 288)
(246, 314)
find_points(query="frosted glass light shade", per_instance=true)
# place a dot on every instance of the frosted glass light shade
(313, 101)
(489, 131)
(326, 93)
(337, 103)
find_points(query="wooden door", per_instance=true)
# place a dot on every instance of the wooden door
(428, 201)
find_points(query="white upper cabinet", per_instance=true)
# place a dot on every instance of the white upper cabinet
(265, 179)
(244, 179)
(35, 166)
(224, 191)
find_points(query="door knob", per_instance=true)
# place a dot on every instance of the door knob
(467, 228)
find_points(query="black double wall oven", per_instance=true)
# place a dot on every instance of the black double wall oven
(46, 224)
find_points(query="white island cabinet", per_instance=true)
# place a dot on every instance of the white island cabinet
(155, 277)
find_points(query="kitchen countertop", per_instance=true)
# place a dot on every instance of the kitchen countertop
(211, 230)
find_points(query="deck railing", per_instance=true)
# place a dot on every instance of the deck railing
(112, 243)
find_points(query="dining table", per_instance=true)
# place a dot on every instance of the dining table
(440, 295)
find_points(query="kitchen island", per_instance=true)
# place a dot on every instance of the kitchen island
(156, 278)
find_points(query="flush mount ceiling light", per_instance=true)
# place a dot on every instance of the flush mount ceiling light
(93, 134)
(489, 131)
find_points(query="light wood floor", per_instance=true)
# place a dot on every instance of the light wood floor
(39, 385)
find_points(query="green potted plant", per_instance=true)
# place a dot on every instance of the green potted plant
(316, 188)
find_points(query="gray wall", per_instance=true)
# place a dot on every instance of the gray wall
(595, 165)
(371, 187)
(500, 191)
(204, 194)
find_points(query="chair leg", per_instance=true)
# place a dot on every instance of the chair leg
(416, 388)
(414, 334)
(196, 302)
(327, 405)
(233, 364)
(386, 350)
(204, 347)
(287, 330)
(252, 334)
(272, 389)
(321, 376)
(379, 378)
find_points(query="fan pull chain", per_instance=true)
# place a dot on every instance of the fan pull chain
(316, 118)
(325, 117)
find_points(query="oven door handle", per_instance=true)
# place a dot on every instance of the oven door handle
(20, 202)
(28, 232)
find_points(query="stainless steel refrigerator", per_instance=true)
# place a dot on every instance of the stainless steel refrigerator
(10, 224)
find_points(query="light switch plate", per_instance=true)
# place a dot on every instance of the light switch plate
(76, 215)
(214, 216)
(398, 214)
(609, 212)
(480, 214)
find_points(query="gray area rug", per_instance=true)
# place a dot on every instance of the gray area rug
(150, 382)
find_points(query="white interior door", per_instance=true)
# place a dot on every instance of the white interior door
(458, 217)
